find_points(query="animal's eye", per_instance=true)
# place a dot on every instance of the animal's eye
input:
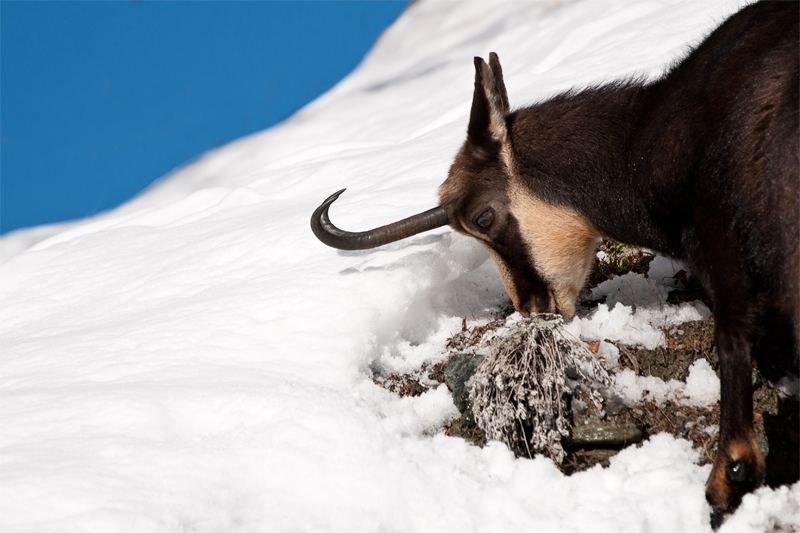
(486, 219)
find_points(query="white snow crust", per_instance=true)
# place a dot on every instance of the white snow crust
(636, 308)
(195, 360)
(701, 388)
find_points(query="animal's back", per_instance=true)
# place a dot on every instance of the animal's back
(737, 104)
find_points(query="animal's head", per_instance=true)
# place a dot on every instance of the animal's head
(542, 252)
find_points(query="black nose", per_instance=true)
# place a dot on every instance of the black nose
(526, 308)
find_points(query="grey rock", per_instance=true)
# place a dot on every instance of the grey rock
(460, 368)
(617, 428)
(598, 432)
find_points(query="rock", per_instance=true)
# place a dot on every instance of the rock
(599, 433)
(460, 368)
(614, 427)
(585, 459)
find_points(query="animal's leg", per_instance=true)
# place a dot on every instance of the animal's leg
(739, 466)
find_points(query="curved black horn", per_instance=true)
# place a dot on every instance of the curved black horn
(363, 240)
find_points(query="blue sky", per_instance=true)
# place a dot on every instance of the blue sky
(99, 99)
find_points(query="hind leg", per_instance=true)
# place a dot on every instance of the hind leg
(739, 465)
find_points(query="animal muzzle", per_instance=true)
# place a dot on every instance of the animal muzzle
(534, 305)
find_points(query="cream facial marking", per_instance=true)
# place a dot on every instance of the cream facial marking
(561, 242)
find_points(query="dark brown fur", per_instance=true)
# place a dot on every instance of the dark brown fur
(700, 165)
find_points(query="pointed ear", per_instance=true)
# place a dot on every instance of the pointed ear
(487, 120)
(497, 71)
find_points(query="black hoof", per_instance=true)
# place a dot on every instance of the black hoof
(717, 517)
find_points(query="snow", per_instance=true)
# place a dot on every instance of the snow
(195, 360)
(636, 308)
(702, 385)
(701, 388)
(633, 388)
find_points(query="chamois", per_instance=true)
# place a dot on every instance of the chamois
(701, 165)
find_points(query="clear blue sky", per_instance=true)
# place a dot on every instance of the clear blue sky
(99, 99)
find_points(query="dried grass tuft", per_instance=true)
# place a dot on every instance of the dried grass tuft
(519, 393)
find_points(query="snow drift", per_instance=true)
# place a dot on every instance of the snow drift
(196, 361)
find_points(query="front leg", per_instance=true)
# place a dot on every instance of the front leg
(739, 465)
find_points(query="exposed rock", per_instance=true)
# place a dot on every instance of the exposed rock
(460, 368)
(610, 431)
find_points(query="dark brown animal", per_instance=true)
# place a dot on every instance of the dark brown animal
(700, 165)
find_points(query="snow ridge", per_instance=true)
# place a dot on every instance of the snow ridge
(196, 361)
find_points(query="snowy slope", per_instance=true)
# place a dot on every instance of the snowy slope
(196, 361)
